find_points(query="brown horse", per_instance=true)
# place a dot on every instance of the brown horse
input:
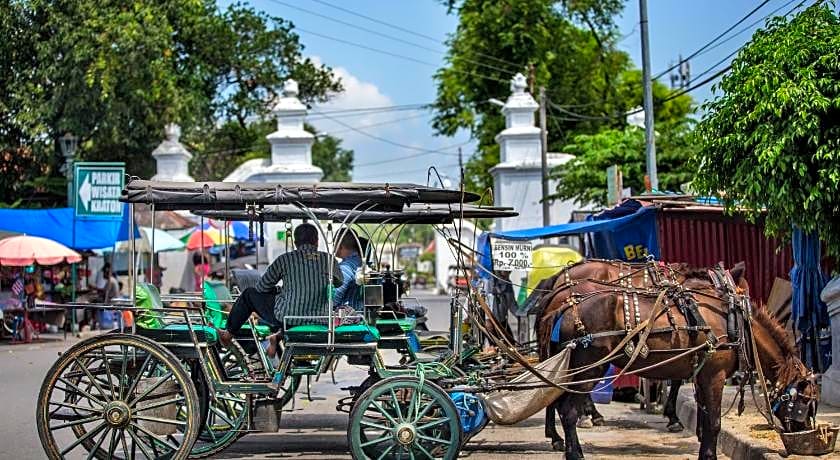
(640, 275)
(600, 311)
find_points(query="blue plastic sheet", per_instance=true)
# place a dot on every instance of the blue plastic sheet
(59, 225)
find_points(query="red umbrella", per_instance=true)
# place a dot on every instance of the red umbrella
(204, 238)
(25, 250)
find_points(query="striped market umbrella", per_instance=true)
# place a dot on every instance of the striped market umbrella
(204, 238)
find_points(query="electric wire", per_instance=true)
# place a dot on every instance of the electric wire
(712, 42)
(444, 150)
(397, 55)
(388, 36)
(409, 31)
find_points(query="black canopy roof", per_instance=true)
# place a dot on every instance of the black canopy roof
(414, 214)
(329, 195)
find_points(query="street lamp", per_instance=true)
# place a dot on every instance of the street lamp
(68, 143)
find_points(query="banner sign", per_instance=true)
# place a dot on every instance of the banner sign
(97, 188)
(511, 255)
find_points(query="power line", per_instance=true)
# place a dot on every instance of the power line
(718, 37)
(753, 24)
(396, 55)
(384, 35)
(409, 31)
(377, 110)
(397, 144)
(382, 123)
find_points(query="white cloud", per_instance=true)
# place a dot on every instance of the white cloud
(415, 132)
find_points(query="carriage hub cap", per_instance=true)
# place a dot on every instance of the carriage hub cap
(405, 434)
(117, 413)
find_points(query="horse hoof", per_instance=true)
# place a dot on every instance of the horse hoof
(675, 427)
(598, 421)
(558, 445)
(585, 422)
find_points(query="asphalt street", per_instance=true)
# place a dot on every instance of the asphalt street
(314, 430)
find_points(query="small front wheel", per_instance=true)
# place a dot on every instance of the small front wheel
(402, 417)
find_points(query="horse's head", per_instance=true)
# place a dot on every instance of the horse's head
(796, 404)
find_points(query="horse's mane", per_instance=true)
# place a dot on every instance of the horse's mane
(776, 331)
(791, 368)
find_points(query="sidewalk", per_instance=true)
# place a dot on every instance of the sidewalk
(748, 437)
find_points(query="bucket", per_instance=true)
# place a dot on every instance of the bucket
(170, 411)
(603, 392)
(819, 441)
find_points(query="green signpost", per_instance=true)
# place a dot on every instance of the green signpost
(97, 188)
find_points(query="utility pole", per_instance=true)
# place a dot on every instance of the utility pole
(650, 142)
(544, 157)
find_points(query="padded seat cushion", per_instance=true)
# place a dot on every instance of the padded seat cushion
(180, 333)
(395, 326)
(317, 333)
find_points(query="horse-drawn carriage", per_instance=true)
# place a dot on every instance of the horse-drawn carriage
(168, 388)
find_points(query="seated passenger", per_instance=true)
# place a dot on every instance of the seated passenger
(305, 274)
(349, 252)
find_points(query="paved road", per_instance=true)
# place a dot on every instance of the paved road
(314, 430)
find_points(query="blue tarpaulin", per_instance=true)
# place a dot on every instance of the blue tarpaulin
(636, 231)
(59, 225)
(809, 312)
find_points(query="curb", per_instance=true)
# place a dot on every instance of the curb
(733, 444)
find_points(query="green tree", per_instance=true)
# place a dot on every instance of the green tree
(771, 140)
(584, 178)
(570, 47)
(114, 73)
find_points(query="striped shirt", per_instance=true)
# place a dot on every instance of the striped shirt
(305, 275)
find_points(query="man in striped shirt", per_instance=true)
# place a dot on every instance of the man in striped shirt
(305, 273)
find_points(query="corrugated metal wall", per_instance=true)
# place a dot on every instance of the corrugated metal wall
(704, 238)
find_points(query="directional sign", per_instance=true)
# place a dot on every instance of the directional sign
(511, 255)
(98, 187)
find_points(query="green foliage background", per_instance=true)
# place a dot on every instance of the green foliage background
(771, 140)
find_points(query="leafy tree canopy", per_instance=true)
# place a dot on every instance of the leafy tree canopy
(570, 47)
(114, 73)
(584, 178)
(771, 140)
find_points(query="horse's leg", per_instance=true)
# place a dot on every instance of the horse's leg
(597, 418)
(570, 409)
(710, 388)
(670, 410)
(557, 442)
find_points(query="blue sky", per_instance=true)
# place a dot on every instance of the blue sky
(374, 79)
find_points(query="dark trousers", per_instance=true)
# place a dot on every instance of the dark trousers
(252, 301)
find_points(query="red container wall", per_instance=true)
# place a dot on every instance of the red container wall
(704, 238)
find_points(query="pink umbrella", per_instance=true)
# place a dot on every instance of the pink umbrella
(25, 250)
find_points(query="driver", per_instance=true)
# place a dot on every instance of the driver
(304, 272)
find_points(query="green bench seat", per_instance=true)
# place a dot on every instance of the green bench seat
(180, 333)
(317, 333)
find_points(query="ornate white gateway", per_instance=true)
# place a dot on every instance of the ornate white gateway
(517, 179)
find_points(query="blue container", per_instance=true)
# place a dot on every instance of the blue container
(603, 392)
(108, 319)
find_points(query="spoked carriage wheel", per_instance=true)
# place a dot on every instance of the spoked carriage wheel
(402, 418)
(117, 396)
(227, 417)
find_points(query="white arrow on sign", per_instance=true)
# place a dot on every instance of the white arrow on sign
(84, 192)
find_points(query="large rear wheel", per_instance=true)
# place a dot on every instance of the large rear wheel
(403, 418)
(117, 396)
